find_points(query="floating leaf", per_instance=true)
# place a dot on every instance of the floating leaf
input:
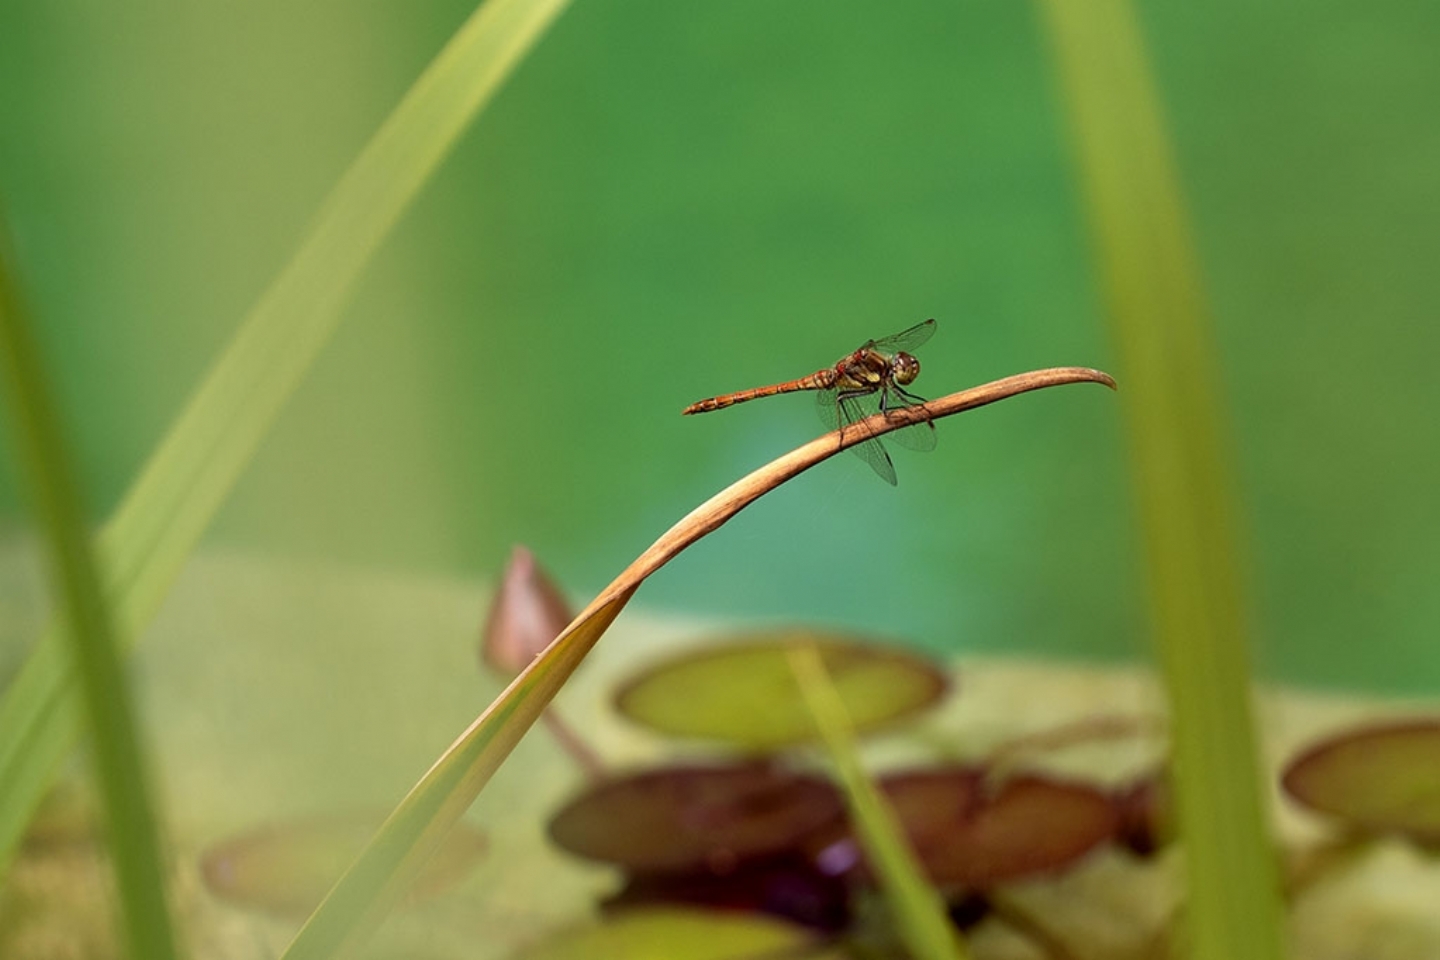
(744, 691)
(1383, 779)
(287, 867)
(527, 613)
(690, 818)
(970, 834)
(681, 935)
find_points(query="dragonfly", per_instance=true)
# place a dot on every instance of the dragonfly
(870, 380)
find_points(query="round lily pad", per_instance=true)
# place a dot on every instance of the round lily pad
(743, 690)
(970, 834)
(695, 818)
(287, 867)
(1382, 779)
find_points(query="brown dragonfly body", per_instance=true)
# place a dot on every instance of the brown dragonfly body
(873, 377)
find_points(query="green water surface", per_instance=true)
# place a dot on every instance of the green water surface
(672, 200)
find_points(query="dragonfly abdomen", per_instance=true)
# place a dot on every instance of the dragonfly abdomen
(819, 380)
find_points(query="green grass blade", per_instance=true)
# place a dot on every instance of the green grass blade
(133, 838)
(918, 912)
(184, 483)
(1183, 479)
(409, 836)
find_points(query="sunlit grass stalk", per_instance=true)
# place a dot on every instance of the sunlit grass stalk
(409, 836)
(916, 908)
(1182, 475)
(134, 841)
(186, 479)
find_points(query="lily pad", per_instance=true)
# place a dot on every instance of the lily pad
(680, 935)
(972, 835)
(1381, 779)
(693, 818)
(743, 691)
(286, 868)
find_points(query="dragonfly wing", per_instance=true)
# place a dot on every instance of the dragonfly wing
(828, 407)
(850, 411)
(919, 436)
(906, 340)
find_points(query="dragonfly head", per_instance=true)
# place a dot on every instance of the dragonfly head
(904, 368)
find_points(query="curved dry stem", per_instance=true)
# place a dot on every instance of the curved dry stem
(718, 509)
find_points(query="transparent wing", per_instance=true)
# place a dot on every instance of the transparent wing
(907, 340)
(847, 413)
(919, 437)
(828, 408)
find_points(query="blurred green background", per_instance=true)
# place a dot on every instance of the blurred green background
(673, 200)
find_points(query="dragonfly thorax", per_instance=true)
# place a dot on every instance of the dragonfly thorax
(904, 368)
(863, 370)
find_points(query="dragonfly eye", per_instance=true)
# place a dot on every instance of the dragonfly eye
(906, 368)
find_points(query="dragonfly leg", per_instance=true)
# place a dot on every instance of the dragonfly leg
(842, 397)
(910, 399)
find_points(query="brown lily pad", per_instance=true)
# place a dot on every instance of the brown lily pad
(286, 868)
(695, 818)
(743, 691)
(970, 834)
(1380, 779)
